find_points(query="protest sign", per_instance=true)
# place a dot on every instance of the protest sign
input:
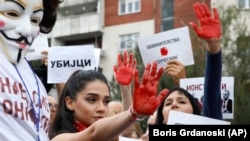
(64, 60)
(181, 118)
(39, 44)
(195, 86)
(169, 45)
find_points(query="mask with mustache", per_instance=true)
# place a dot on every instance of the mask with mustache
(19, 26)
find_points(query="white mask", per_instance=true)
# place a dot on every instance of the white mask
(19, 26)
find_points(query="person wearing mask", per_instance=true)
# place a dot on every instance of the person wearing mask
(23, 100)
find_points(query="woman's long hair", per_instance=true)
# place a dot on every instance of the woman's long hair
(193, 101)
(64, 118)
(50, 15)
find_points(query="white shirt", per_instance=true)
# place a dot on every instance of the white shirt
(15, 120)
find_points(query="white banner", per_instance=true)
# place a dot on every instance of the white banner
(169, 45)
(181, 118)
(196, 87)
(64, 60)
(39, 44)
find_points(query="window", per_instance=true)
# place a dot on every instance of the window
(167, 24)
(244, 4)
(129, 6)
(167, 19)
(128, 41)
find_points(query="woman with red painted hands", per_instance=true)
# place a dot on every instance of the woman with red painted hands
(87, 93)
(179, 99)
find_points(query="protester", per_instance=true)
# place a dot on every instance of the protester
(112, 113)
(176, 70)
(24, 106)
(178, 99)
(134, 131)
(88, 92)
(151, 121)
(115, 106)
(53, 107)
(181, 100)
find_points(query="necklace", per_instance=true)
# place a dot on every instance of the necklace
(35, 115)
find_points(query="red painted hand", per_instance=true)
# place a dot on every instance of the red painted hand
(209, 25)
(124, 71)
(145, 99)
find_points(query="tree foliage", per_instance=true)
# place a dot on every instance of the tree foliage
(236, 51)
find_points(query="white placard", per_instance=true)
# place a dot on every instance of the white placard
(181, 118)
(97, 57)
(196, 87)
(40, 44)
(169, 45)
(64, 60)
(127, 139)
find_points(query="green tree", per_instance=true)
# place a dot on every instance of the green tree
(236, 51)
(235, 59)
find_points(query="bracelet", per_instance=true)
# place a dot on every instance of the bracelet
(140, 119)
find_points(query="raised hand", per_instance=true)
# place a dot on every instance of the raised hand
(124, 71)
(145, 97)
(176, 70)
(209, 25)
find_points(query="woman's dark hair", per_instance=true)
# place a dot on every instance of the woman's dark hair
(64, 118)
(193, 101)
(50, 14)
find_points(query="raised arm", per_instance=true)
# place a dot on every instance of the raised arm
(145, 93)
(123, 73)
(209, 29)
(145, 101)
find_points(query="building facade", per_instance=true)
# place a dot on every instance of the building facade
(115, 25)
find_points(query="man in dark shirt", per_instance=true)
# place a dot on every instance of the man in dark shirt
(226, 102)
